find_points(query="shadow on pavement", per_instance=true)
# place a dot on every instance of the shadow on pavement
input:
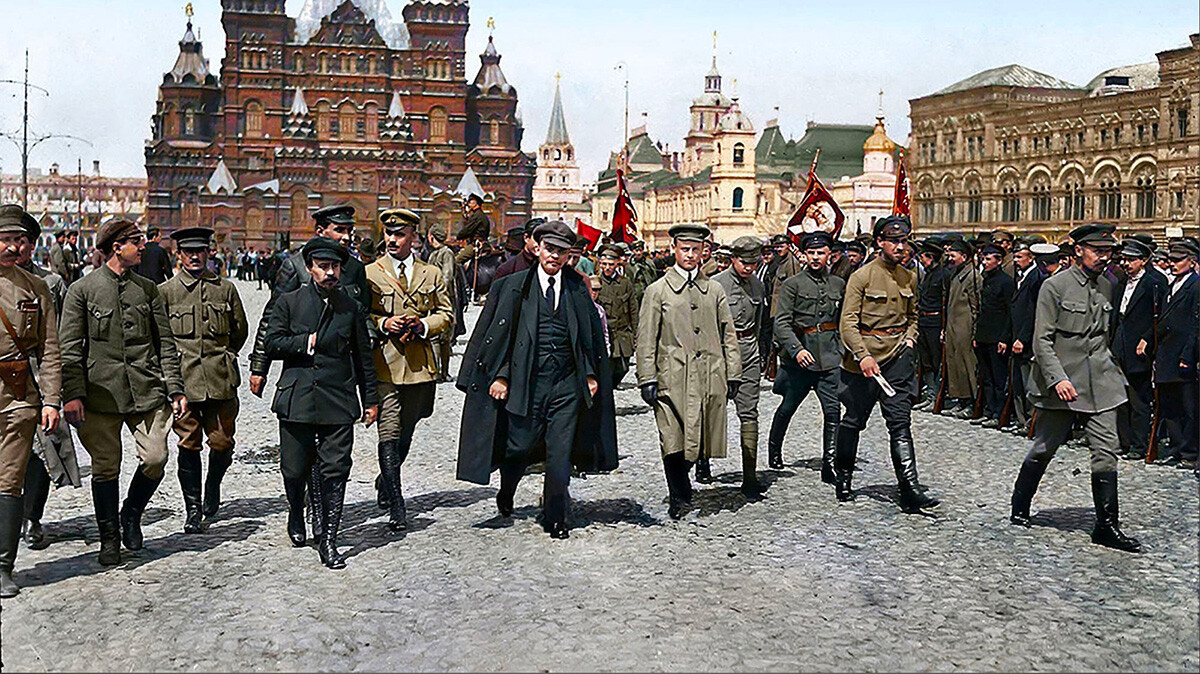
(45, 573)
(1065, 519)
(83, 527)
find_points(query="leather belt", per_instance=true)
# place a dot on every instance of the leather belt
(931, 313)
(745, 334)
(882, 332)
(827, 326)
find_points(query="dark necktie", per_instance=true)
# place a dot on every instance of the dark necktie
(401, 277)
(550, 293)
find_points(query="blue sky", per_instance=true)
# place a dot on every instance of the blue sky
(824, 61)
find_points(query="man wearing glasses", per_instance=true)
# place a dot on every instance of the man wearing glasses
(120, 368)
(879, 330)
(746, 295)
(209, 325)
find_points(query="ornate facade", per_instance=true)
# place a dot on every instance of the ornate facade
(1018, 149)
(78, 200)
(340, 105)
(558, 192)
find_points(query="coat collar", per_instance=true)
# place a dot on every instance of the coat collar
(677, 282)
(190, 281)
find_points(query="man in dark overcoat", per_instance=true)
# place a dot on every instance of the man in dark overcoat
(538, 383)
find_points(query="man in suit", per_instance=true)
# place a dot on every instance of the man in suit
(1024, 308)
(992, 336)
(410, 308)
(1137, 302)
(536, 368)
(156, 261)
(321, 336)
(1175, 357)
(931, 301)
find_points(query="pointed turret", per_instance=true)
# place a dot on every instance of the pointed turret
(190, 95)
(490, 81)
(558, 177)
(396, 126)
(492, 106)
(299, 122)
(557, 134)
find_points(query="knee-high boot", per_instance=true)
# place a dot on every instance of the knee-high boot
(316, 513)
(843, 462)
(828, 449)
(389, 466)
(775, 441)
(218, 463)
(106, 496)
(904, 460)
(750, 485)
(141, 488)
(12, 514)
(189, 485)
(333, 493)
(37, 491)
(294, 489)
(1108, 526)
(1023, 490)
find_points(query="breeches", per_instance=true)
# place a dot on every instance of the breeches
(301, 445)
(17, 429)
(1053, 427)
(101, 437)
(401, 406)
(215, 418)
(746, 397)
(859, 395)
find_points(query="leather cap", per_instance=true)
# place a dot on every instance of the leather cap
(338, 214)
(321, 248)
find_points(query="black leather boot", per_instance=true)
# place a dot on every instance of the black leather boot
(751, 488)
(294, 489)
(845, 453)
(141, 488)
(828, 449)
(381, 497)
(1108, 527)
(316, 512)
(37, 491)
(218, 463)
(389, 466)
(189, 485)
(679, 485)
(105, 497)
(703, 471)
(1024, 489)
(333, 493)
(913, 498)
(12, 514)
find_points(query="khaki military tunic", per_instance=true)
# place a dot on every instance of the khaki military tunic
(620, 306)
(746, 296)
(29, 309)
(687, 345)
(210, 328)
(879, 313)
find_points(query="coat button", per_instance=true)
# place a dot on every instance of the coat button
(479, 362)
(474, 387)
(694, 307)
(697, 329)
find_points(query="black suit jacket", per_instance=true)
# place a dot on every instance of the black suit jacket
(293, 274)
(1024, 308)
(1177, 336)
(155, 264)
(502, 345)
(1137, 323)
(995, 307)
(327, 386)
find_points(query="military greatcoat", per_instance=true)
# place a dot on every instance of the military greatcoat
(962, 310)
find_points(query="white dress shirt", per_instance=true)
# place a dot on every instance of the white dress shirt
(1130, 286)
(687, 275)
(544, 282)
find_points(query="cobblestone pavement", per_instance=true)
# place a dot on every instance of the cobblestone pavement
(797, 582)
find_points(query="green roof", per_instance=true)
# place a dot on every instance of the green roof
(1011, 75)
(841, 148)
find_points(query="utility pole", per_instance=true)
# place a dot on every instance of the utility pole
(625, 147)
(79, 200)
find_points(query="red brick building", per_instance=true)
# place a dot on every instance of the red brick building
(334, 112)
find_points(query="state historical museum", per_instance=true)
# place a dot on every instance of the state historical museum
(338, 105)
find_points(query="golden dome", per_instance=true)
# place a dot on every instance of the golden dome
(879, 141)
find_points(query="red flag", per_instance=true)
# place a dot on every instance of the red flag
(815, 209)
(901, 203)
(591, 234)
(624, 214)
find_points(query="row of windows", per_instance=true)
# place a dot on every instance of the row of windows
(1143, 132)
(347, 123)
(558, 153)
(1108, 200)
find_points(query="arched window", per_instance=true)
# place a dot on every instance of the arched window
(1041, 198)
(1010, 203)
(189, 121)
(1146, 200)
(437, 125)
(494, 132)
(1110, 196)
(323, 63)
(372, 121)
(324, 120)
(299, 64)
(974, 202)
(738, 196)
(951, 215)
(1073, 202)
(254, 119)
(546, 155)
(569, 153)
(347, 115)
(739, 154)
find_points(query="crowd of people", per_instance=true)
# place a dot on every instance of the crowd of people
(1087, 340)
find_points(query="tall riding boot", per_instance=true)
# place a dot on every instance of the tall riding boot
(1108, 527)
(751, 488)
(843, 462)
(189, 484)
(294, 489)
(775, 442)
(913, 498)
(389, 465)
(703, 470)
(679, 485)
(333, 492)
(105, 498)
(381, 497)
(1024, 489)
(37, 491)
(12, 513)
(141, 488)
(316, 513)
(828, 448)
(218, 463)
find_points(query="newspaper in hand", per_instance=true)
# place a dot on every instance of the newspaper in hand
(883, 384)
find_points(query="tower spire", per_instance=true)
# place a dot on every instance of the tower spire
(557, 133)
(712, 81)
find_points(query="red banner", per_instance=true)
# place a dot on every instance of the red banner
(624, 215)
(901, 203)
(817, 210)
(591, 234)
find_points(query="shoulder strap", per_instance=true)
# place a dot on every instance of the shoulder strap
(12, 332)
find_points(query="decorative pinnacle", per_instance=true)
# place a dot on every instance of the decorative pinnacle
(188, 10)
(491, 24)
(880, 114)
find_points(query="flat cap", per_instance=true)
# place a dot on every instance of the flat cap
(748, 248)
(193, 237)
(932, 245)
(637, 245)
(14, 219)
(610, 251)
(1001, 235)
(990, 248)
(780, 240)
(856, 247)
(816, 240)
(531, 225)
(959, 246)
(438, 233)
(1096, 234)
(321, 248)
(1044, 249)
(395, 219)
(1131, 247)
(1146, 239)
(113, 230)
(337, 214)
(690, 231)
(1183, 248)
(723, 251)
(555, 233)
(892, 226)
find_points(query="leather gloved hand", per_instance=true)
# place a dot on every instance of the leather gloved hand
(649, 392)
(732, 391)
